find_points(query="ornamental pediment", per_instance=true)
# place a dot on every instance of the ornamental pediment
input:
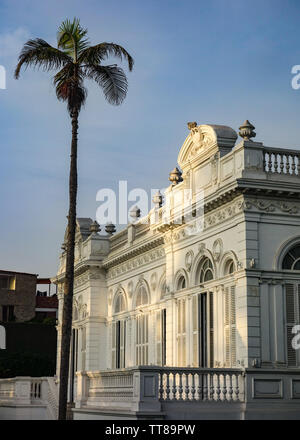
(202, 139)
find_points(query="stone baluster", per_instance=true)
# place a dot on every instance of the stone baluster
(180, 387)
(200, 386)
(230, 390)
(168, 386)
(298, 165)
(275, 163)
(187, 388)
(237, 388)
(161, 385)
(281, 164)
(270, 163)
(193, 389)
(211, 388)
(287, 164)
(218, 390)
(224, 389)
(293, 164)
(174, 389)
(205, 386)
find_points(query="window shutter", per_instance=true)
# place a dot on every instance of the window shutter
(233, 325)
(122, 343)
(227, 327)
(159, 337)
(230, 326)
(142, 339)
(291, 318)
(211, 330)
(181, 333)
(195, 330)
(113, 345)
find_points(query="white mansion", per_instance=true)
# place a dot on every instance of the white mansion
(172, 322)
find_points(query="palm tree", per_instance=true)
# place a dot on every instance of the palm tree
(76, 60)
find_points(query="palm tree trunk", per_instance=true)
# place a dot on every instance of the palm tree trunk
(69, 277)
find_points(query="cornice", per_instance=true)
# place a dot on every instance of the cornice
(132, 251)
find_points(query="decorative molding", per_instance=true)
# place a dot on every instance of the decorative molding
(189, 258)
(131, 252)
(217, 249)
(134, 263)
(272, 206)
(153, 281)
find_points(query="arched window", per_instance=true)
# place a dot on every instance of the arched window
(163, 289)
(205, 271)
(120, 303)
(291, 260)
(142, 296)
(229, 267)
(181, 284)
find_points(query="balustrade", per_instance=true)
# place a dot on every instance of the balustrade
(281, 162)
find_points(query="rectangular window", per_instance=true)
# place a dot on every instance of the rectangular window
(142, 339)
(118, 344)
(8, 313)
(292, 306)
(230, 326)
(203, 331)
(161, 337)
(7, 282)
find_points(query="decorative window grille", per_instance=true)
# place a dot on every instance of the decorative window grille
(206, 272)
(230, 326)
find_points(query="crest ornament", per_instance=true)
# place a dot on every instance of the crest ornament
(189, 260)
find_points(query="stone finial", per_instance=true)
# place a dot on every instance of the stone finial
(191, 125)
(247, 131)
(175, 176)
(157, 199)
(95, 228)
(110, 228)
(135, 212)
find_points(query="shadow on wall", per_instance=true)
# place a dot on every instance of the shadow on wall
(27, 349)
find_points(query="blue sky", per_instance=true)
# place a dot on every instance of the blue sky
(219, 61)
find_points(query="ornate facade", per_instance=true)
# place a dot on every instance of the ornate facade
(194, 314)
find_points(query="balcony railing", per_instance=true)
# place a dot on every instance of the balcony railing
(282, 161)
(201, 384)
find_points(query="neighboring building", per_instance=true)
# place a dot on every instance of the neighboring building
(193, 320)
(46, 303)
(17, 296)
(20, 300)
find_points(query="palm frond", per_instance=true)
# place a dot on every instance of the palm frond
(95, 54)
(70, 89)
(111, 79)
(38, 53)
(71, 37)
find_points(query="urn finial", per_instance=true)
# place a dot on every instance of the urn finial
(157, 199)
(110, 228)
(175, 176)
(94, 227)
(247, 131)
(135, 212)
